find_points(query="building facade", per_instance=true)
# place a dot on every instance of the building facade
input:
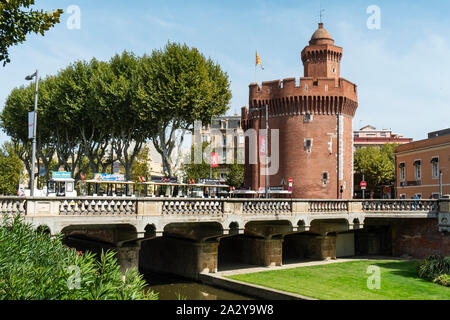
(227, 139)
(422, 167)
(313, 117)
(369, 136)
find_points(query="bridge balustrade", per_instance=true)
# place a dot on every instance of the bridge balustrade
(190, 207)
(392, 206)
(13, 205)
(266, 207)
(328, 206)
(107, 206)
(103, 206)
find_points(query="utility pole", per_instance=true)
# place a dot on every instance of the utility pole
(30, 77)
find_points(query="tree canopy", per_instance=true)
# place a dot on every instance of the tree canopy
(16, 22)
(179, 86)
(11, 170)
(201, 170)
(235, 175)
(377, 165)
(93, 113)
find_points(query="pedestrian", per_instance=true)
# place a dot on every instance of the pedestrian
(415, 202)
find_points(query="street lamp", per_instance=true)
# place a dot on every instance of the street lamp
(266, 108)
(29, 78)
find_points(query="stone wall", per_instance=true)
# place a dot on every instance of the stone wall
(251, 250)
(310, 246)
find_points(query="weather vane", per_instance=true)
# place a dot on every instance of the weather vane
(320, 14)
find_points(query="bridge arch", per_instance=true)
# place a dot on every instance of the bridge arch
(44, 228)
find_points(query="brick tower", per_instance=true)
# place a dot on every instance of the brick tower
(314, 118)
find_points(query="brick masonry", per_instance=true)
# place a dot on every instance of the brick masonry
(332, 103)
(418, 238)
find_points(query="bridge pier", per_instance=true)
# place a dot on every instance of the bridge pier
(310, 246)
(322, 247)
(128, 256)
(251, 250)
(263, 252)
(184, 257)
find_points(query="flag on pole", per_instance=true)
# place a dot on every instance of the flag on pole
(258, 61)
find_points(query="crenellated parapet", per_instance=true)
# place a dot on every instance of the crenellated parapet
(306, 96)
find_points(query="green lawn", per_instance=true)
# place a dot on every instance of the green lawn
(348, 281)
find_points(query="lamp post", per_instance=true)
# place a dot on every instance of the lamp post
(266, 108)
(29, 78)
(210, 135)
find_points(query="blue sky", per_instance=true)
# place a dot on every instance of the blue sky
(402, 70)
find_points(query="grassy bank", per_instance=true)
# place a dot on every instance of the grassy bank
(349, 281)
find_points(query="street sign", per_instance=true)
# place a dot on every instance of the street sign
(363, 185)
(61, 175)
(290, 189)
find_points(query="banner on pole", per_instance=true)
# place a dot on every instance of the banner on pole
(30, 125)
(215, 160)
(262, 146)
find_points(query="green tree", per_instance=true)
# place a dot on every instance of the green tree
(178, 86)
(235, 175)
(16, 23)
(130, 125)
(14, 120)
(107, 111)
(140, 166)
(11, 170)
(377, 165)
(196, 171)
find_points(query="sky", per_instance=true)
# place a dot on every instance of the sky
(398, 59)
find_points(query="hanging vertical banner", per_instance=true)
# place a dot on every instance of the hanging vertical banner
(262, 146)
(215, 160)
(30, 124)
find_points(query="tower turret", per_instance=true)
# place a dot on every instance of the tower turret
(313, 117)
(322, 58)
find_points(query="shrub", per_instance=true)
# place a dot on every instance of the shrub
(36, 266)
(433, 266)
(443, 280)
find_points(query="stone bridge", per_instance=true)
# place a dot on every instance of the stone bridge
(187, 236)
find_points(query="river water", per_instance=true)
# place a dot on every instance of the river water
(176, 288)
